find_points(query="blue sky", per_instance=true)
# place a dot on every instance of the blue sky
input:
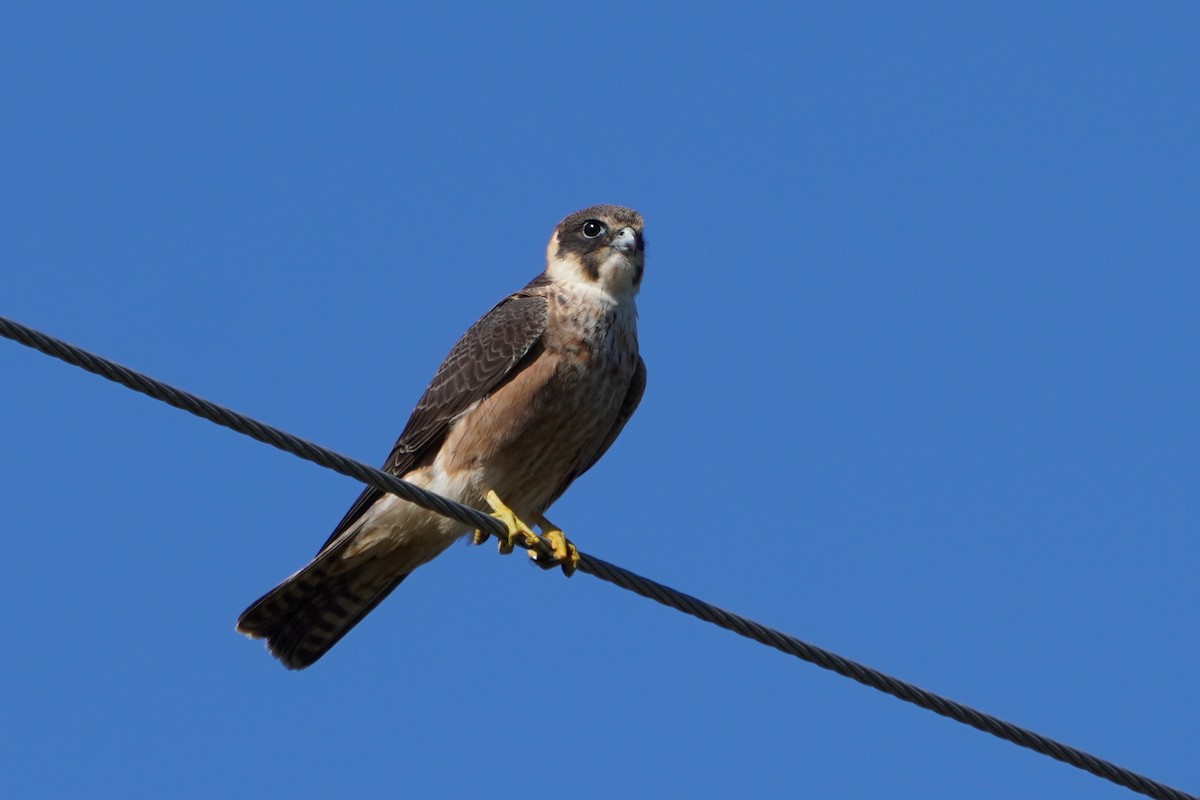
(920, 320)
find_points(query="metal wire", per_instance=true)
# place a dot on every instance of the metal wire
(592, 565)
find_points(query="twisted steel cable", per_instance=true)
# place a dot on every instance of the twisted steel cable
(592, 565)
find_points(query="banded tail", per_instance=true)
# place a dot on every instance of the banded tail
(311, 611)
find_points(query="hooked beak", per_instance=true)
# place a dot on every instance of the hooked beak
(625, 240)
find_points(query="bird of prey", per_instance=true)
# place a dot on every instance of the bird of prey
(530, 397)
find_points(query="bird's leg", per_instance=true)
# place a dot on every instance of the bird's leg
(518, 531)
(563, 553)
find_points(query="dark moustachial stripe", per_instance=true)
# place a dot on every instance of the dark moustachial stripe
(308, 613)
(591, 252)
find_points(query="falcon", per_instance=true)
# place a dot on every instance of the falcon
(529, 399)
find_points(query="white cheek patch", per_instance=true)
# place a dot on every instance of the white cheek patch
(567, 270)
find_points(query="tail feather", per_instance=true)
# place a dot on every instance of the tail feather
(311, 611)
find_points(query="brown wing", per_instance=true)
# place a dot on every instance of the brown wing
(483, 358)
(633, 396)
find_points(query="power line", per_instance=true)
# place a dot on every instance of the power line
(590, 564)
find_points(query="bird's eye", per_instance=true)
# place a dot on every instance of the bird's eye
(593, 228)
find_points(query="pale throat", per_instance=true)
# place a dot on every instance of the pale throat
(615, 283)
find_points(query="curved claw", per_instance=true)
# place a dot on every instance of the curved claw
(565, 554)
(518, 531)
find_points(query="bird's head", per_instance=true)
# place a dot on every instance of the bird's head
(600, 247)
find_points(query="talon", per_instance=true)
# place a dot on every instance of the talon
(565, 554)
(518, 531)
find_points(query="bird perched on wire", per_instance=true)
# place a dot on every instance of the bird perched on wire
(530, 397)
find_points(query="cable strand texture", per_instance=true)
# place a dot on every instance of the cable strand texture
(591, 565)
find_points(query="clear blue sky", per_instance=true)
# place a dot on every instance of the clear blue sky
(920, 315)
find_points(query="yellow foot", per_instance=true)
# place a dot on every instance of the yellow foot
(518, 531)
(563, 553)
